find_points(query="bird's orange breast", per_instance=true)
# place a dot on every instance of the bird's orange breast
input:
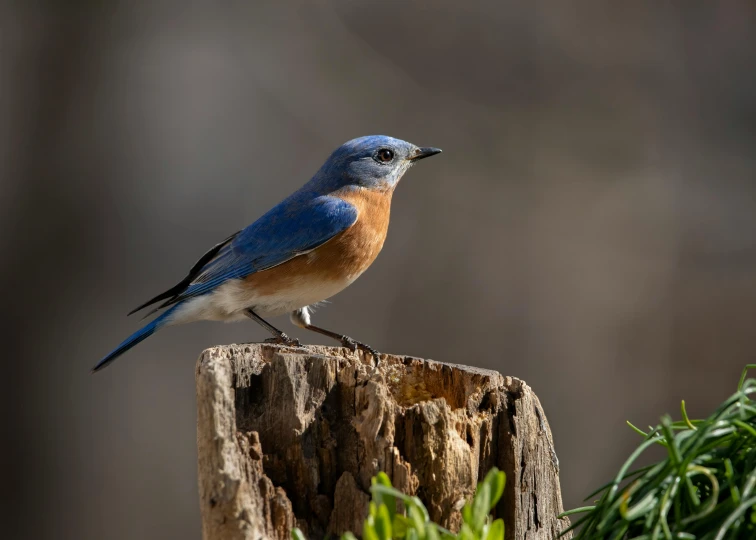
(343, 258)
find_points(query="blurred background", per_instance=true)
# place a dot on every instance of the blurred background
(590, 227)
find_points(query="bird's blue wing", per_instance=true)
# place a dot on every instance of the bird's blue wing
(292, 228)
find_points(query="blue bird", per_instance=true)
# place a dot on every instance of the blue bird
(309, 247)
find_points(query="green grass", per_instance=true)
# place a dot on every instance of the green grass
(703, 489)
(410, 520)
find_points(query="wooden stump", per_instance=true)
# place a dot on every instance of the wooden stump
(292, 436)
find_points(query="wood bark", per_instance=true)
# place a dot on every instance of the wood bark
(292, 436)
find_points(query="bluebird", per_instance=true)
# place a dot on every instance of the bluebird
(309, 247)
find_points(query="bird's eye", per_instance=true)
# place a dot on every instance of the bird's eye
(384, 155)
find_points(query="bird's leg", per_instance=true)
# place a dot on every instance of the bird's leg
(301, 318)
(280, 337)
(346, 341)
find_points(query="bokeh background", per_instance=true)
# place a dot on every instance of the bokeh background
(590, 227)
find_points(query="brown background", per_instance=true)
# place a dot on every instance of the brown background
(590, 227)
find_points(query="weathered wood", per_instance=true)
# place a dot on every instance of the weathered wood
(293, 435)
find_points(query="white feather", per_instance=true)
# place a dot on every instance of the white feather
(228, 302)
(301, 317)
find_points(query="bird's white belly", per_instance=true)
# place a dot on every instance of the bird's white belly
(228, 302)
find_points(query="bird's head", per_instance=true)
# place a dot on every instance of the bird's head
(374, 162)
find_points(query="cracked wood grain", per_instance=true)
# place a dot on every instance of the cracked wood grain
(292, 436)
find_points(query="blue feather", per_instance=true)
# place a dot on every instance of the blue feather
(135, 338)
(295, 226)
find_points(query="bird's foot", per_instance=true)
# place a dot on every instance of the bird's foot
(353, 345)
(283, 339)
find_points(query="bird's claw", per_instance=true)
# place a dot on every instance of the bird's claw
(353, 345)
(283, 339)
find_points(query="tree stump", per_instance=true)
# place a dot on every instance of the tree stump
(292, 436)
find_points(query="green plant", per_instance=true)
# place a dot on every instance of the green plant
(703, 489)
(386, 522)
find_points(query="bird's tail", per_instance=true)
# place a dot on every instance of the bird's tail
(136, 338)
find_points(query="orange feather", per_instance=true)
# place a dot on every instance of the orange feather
(341, 259)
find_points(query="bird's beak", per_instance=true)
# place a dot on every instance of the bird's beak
(422, 153)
